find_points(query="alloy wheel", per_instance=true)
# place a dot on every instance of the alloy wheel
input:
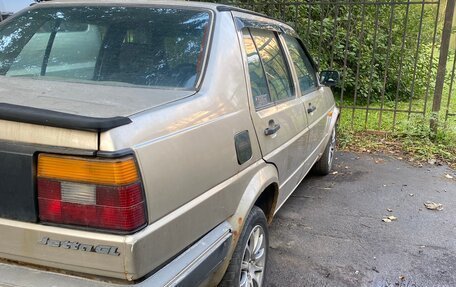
(254, 259)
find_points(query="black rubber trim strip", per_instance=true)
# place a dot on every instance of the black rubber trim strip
(115, 154)
(253, 24)
(208, 266)
(50, 118)
(225, 8)
(38, 148)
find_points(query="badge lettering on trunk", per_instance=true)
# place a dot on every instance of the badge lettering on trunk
(99, 249)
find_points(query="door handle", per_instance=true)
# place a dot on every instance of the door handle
(272, 129)
(311, 109)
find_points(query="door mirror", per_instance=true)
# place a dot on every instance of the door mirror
(329, 78)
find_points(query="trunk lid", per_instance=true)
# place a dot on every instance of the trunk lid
(84, 99)
(58, 117)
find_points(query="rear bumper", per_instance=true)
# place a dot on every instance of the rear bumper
(192, 268)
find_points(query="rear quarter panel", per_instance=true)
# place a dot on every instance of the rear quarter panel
(187, 156)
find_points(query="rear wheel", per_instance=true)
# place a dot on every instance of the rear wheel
(248, 264)
(324, 165)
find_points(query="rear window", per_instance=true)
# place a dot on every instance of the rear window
(141, 46)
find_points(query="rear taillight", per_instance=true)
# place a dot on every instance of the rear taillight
(94, 193)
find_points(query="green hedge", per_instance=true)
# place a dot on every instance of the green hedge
(384, 65)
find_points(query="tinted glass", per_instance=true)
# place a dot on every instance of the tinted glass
(129, 45)
(277, 72)
(306, 73)
(258, 82)
(71, 55)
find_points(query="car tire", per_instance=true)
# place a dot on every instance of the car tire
(248, 268)
(324, 165)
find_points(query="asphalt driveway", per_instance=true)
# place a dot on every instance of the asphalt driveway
(331, 233)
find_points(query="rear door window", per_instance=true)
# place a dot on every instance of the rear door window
(258, 81)
(274, 63)
(304, 69)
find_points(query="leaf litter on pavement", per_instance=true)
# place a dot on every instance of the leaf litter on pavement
(389, 218)
(433, 205)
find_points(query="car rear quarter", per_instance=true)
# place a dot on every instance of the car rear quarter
(181, 142)
(112, 175)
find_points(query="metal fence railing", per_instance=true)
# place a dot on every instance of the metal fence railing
(451, 101)
(394, 55)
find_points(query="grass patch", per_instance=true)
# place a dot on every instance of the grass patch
(408, 134)
(412, 140)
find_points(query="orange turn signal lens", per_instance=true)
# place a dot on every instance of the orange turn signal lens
(85, 170)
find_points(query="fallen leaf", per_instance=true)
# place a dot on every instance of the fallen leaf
(389, 218)
(433, 206)
(289, 244)
(402, 277)
(448, 176)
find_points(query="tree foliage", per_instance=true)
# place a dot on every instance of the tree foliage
(385, 50)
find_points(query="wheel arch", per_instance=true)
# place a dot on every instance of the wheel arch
(263, 190)
(267, 201)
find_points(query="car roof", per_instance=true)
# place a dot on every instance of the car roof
(135, 2)
(182, 3)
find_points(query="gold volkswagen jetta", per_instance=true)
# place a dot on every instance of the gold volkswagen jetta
(147, 143)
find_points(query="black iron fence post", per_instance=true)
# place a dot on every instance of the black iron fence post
(444, 49)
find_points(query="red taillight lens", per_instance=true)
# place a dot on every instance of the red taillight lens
(90, 203)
